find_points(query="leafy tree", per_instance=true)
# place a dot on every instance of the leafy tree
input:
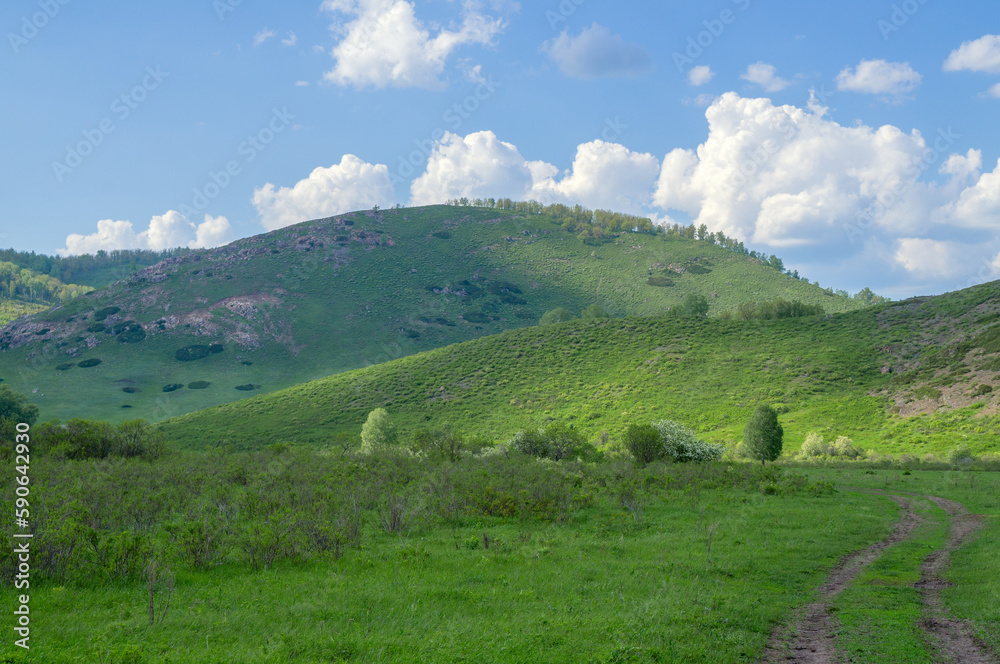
(763, 435)
(377, 432)
(643, 442)
(14, 409)
(594, 311)
(693, 306)
(559, 315)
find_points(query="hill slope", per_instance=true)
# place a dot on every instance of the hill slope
(845, 374)
(336, 294)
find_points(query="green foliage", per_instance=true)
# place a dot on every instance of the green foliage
(660, 281)
(593, 312)
(643, 442)
(693, 306)
(197, 352)
(557, 441)
(87, 364)
(199, 385)
(14, 409)
(378, 432)
(104, 313)
(81, 439)
(777, 308)
(557, 315)
(26, 285)
(762, 436)
(173, 387)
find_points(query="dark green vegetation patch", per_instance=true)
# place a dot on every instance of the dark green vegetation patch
(97, 327)
(477, 317)
(131, 333)
(659, 280)
(442, 235)
(101, 314)
(197, 352)
(130, 390)
(92, 362)
(249, 387)
(173, 387)
(65, 367)
(43, 332)
(198, 385)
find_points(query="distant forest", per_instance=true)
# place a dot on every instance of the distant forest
(25, 285)
(597, 225)
(97, 271)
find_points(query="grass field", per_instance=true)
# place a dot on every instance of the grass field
(492, 560)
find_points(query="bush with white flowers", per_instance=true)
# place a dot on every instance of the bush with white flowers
(681, 444)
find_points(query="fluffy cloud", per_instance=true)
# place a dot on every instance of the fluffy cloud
(982, 54)
(477, 166)
(994, 91)
(879, 77)
(386, 45)
(596, 53)
(782, 175)
(766, 76)
(352, 184)
(166, 231)
(700, 75)
(603, 175)
(977, 206)
(931, 258)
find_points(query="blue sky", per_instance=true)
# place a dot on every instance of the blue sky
(856, 140)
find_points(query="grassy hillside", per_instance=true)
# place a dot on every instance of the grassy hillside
(13, 309)
(328, 296)
(870, 375)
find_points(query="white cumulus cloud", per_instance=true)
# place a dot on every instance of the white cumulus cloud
(353, 184)
(782, 175)
(700, 75)
(385, 44)
(766, 76)
(167, 231)
(981, 54)
(596, 53)
(931, 258)
(879, 77)
(477, 166)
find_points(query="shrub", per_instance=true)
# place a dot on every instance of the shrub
(476, 317)
(844, 447)
(65, 367)
(763, 435)
(132, 334)
(558, 315)
(960, 455)
(101, 314)
(198, 385)
(643, 442)
(681, 444)
(814, 446)
(659, 281)
(173, 387)
(249, 387)
(377, 432)
(92, 362)
(197, 352)
(558, 441)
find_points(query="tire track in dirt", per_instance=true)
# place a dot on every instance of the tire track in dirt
(810, 640)
(953, 638)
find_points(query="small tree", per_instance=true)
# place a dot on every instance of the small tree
(560, 315)
(593, 311)
(643, 442)
(762, 435)
(377, 431)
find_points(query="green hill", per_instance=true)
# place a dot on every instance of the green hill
(327, 296)
(917, 376)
